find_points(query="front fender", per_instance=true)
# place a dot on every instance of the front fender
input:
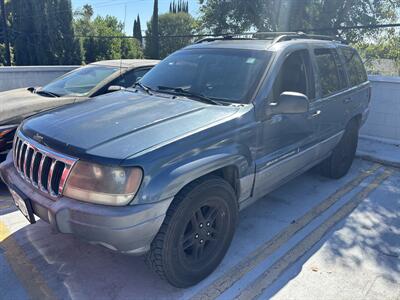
(172, 177)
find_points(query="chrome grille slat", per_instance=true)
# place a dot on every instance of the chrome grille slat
(40, 166)
(32, 165)
(40, 172)
(63, 179)
(24, 171)
(22, 160)
(19, 154)
(50, 177)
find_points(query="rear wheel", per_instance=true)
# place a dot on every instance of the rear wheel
(338, 164)
(196, 232)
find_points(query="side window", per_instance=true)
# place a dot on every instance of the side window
(128, 79)
(355, 67)
(341, 69)
(295, 76)
(140, 73)
(327, 71)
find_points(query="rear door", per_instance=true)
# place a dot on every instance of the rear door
(332, 96)
(359, 92)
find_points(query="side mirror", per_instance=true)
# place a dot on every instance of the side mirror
(291, 103)
(115, 88)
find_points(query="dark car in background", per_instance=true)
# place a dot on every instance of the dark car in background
(78, 85)
(163, 169)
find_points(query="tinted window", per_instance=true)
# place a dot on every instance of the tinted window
(355, 67)
(80, 82)
(295, 76)
(223, 74)
(341, 69)
(327, 71)
(140, 73)
(129, 78)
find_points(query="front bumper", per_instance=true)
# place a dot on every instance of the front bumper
(127, 229)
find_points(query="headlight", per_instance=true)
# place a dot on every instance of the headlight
(7, 129)
(6, 137)
(102, 184)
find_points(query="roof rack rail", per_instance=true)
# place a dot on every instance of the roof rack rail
(273, 36)
(287, 36)
(230, 37)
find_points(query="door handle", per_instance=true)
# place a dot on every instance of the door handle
(315, 114)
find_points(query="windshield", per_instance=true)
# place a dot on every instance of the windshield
(221, 74)
(79, 82)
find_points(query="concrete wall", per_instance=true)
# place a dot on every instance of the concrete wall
(384, 119)
(17, 77)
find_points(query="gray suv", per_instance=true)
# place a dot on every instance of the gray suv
(163, 169)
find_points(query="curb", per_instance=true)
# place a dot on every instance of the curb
(366, 156)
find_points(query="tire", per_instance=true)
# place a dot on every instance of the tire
(196, 233)
(339, 163)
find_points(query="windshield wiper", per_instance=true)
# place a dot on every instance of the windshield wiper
(143, 87)
(186, 93)
(47, 93)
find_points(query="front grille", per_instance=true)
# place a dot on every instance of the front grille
(40, 166)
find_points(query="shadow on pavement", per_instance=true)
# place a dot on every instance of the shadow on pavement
(361, 250)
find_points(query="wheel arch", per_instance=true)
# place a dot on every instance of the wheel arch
(236, 167)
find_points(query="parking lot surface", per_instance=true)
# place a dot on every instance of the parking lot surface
(313, 238)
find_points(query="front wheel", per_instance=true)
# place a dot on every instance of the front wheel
(196, 232)
(338, 164)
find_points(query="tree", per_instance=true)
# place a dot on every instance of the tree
(5, 39)
(154, 45)
(171, 24)
(103, 37)
(45, 26)
(233, 16)
(137, 30)
(386, 47)
(327, 15)
(181, 6)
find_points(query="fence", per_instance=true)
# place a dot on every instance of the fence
(16, 77)
(384, 119)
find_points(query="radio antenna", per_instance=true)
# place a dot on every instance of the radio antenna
(124, 29)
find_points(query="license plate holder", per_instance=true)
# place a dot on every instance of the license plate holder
(24, 204)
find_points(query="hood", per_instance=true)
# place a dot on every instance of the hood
(16, 105)
(117, 125)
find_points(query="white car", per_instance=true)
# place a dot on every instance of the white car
(78, 85)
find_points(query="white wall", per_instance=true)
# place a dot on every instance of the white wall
(17, 77)
(384, 120)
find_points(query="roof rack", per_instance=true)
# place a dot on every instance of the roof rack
(275, 37)
(301, 35)
(230, 37)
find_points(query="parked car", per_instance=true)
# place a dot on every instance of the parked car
(164, 168)
(81, 84)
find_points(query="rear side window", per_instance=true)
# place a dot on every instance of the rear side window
(355, 67)
(129, 79)
(328, 71)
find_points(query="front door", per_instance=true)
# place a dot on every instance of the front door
(286, 140)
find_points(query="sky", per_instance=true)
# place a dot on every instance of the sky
(133, 7)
